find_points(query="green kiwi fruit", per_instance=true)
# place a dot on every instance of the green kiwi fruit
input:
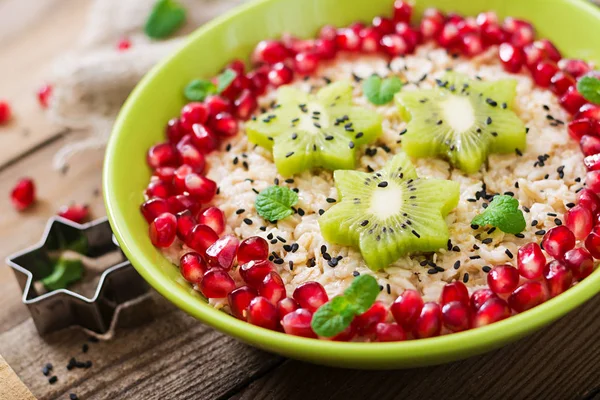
(306, 131)
(389, 213)
(462, 120)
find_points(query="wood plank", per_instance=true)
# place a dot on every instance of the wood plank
(26, 61)
(11, 386)
(555, 363)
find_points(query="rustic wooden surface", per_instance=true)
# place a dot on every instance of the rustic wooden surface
(174, 356)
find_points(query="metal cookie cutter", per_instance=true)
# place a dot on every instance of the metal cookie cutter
(116, 284)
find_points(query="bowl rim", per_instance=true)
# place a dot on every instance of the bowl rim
(467, 343)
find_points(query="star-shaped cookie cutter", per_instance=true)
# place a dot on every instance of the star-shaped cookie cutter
(62, 308)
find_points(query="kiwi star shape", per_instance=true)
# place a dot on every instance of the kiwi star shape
(462, 120)
(389, 213)
(306, 131)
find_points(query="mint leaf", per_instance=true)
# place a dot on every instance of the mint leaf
(64, 273)
(198, 89)
(503, 212)
(362, 293)
(225, 79)
(275, 203)
(332, 317)
(589, 87)
(381, 91)
(164, 19)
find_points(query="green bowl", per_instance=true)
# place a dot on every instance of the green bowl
(574, 25)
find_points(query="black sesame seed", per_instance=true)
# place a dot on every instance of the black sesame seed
(333, 262)
(326, 256)
(287, 247)
(457, 264)
(508, 253)
(270, 236)
(504, 105)
(53, 380)
(402, 132)
(475, 257)
(415, 233)
(557, 221)
(488, 120)
(295, 247)
(423, 263)
(85, 348)
(278, 261)
(330, 200)
(526, 209)
(282, 240)
(491, 102)
(456, 249)
(247, 221)
(519, 153)
(519, 235)
(487, 241)
(541, 232)
(235, 160)
(432, 271)
(466, 277)
(534, 222)
(473, 226)
(321, 211)
(439, 122)
(570, 205)
(73, 396)
(273, 241)
(239, 211)
(355, 273)
(486, 268)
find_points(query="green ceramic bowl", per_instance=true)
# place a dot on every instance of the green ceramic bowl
(573, 25)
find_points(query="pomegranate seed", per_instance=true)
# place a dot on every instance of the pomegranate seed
(193, 113)
(158, 188)
(253, 248)
(574, 67)
(192, 267)
(551, 51)
(479, 297)
(43, 95)
(203, 138)
(589, 200)
(75, 212)
(346, 335)
(579, 220)
(259, 80)
(306, 63)
(591, 111)
(572, 100)
(357, 27)
(402, 11)
(471, 44)
(326, 49)
(365, 323)
(263, 313)
(370, 39)
(328, 32)
(174, 130)
(454, 291)
(347, 39)
(123, 44)
(431, 27)
(200, 238)
(467, 26)
(389, 332)
(558, 277)
(526, 296)
(237, 65)
(272, 287)
(296, 45)
(280, 74)
(245, 105)
(222, 252)
(179, 177)
(584, 126)
(521, 32)
(561, 82)
(160, 155)
(163, 229)
(486, 19)
(286, 306)
(216, 284)
(214, 218)
(297, 323)
(454, 18)
(5, 112)
(455, 316)
(512, 57)
(493, 310)
(558, 240)
(239, 299)
(153, 208)
(407, 308)
(429, 323)
(382, 25)
(533, 55)
(531, 261)
(270, 52)
(182, 202)
(592, 244)
(394, 45)
(310, 296)
(191, 156)
(217, 104)
(254, 272)
(410, 35)
(543, 71)
(580, 262)
(493, 34)
(592, 163)
(448, 37)
(434, 13)
(200, 187)
(503, 279)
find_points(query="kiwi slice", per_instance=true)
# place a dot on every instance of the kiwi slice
(389, 213)
(462, 120)
(305, 131)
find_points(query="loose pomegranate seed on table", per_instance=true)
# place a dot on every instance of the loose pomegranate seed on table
(310, 296)
(192, 267)
(558, 277)
(163, 230)
(389, 332)
(531, 261)
(503, 279)
(75, 212)
(239, 299)
(297, 323)
(23, 194)
(558, 240)
(429, 322)
(5, 112)
(527, 296)
(254, 272)
(216, 284)
(407, 308)
(221, 253)
(43, 95)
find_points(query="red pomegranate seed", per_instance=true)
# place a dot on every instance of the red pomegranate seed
(174, 130)
(454, 18)
(280, 74)
(204, 139)
(592, 244)
(5, 112)
(410, 35)
(526, 296)
(467, 26)
(217, 104)
(558, 240)
(43, 95)
(346, 335)
(407, 308)
(153, 208)
(551, 51)
(521, 32)
(254, 272)
(434, 13)
(192, 267)
(158, 188)
(286, 306)
(263, 313)
(222, 252)
(512, 57)
(347, 39)
(162, 154)
(306, 63)
(191, 156)
(580, 262)
(543, 71)
(531, 261)
(297, 323)
(448, 37)
(296, 45)
(200, 187)
(75, 212)
(592, 180)
(584, 126)
(326, 49)
(382, 25)
(454, 291)
(193, 113)
(259, 80)
(163, 229)
(592, 163)
(486, 19)
(429, 322)
(224, 124)
(357, 27)
(589, 200)
(493, 34)
(479, 297)
(574, 67)
(579, 220)
(245, 105)
(239, 299)
(431, 27)
(389, 332)
(179, 177)
(455, 316)
(214, 218)
(561, 82)
(365, 323)
(237, 65)
(182, 202)
(558, 277)
(493, 310)
(572, 100)
(310, 296)
(253, 248)
(123, 44)
(270, 52)
(216, 284)
(533, 55)
(394, 45)
(272, 287)
(370, 39)
(328, 32)
(503, 279)
(471, 44)
(200, 238)
(591, 111)
(402, 11)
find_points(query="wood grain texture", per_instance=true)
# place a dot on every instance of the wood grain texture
(11, 387)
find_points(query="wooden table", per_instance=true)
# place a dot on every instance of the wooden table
(175, 356)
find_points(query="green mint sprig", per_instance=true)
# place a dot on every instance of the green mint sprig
(164, 19)
(65, 272)
(381, 91)
(589, 87)
(199, 89)
(503, 213)
(275, 203)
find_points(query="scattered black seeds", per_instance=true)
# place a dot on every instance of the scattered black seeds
(457, 264)
(321, 211)
(415, 233)
(440, 122)
(402, 132)
(424, 263)
(570, 205)
(278, 261)
(534, 222)
(247, 221)
(388, 288)
(473, 226)
(484, 205)
(333, 262)
(504, 105)
(546, 176)
(301, 212)
(545, 107)
(263, 228)
(519, 153)
(73, 396)
(364, 223)
(271, 258)
(53, 380)
(382, 184)
(282, 240)
(270, 236)
(517, 185)
(254, 190)
(440, 269)
(475, 247)
(541, 232)
(488, 120)
(295, 247)
(552, 214)
(228, 147)
(326, 256)
(475, 257)
(491, 102)
(486, 268)
(519, 235)
(432, 271)
(369, 168)
(274, 241)
(508, 253)
(46, 369)
(239, 211)
(557, 221)
(351, 144)
(526, 209)
(456, 249)
(295, 190)
(235, 160)
(287, 247)
(85, 348)
(487, 241)
(466, 277)
(330, 200)
(291, 264)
